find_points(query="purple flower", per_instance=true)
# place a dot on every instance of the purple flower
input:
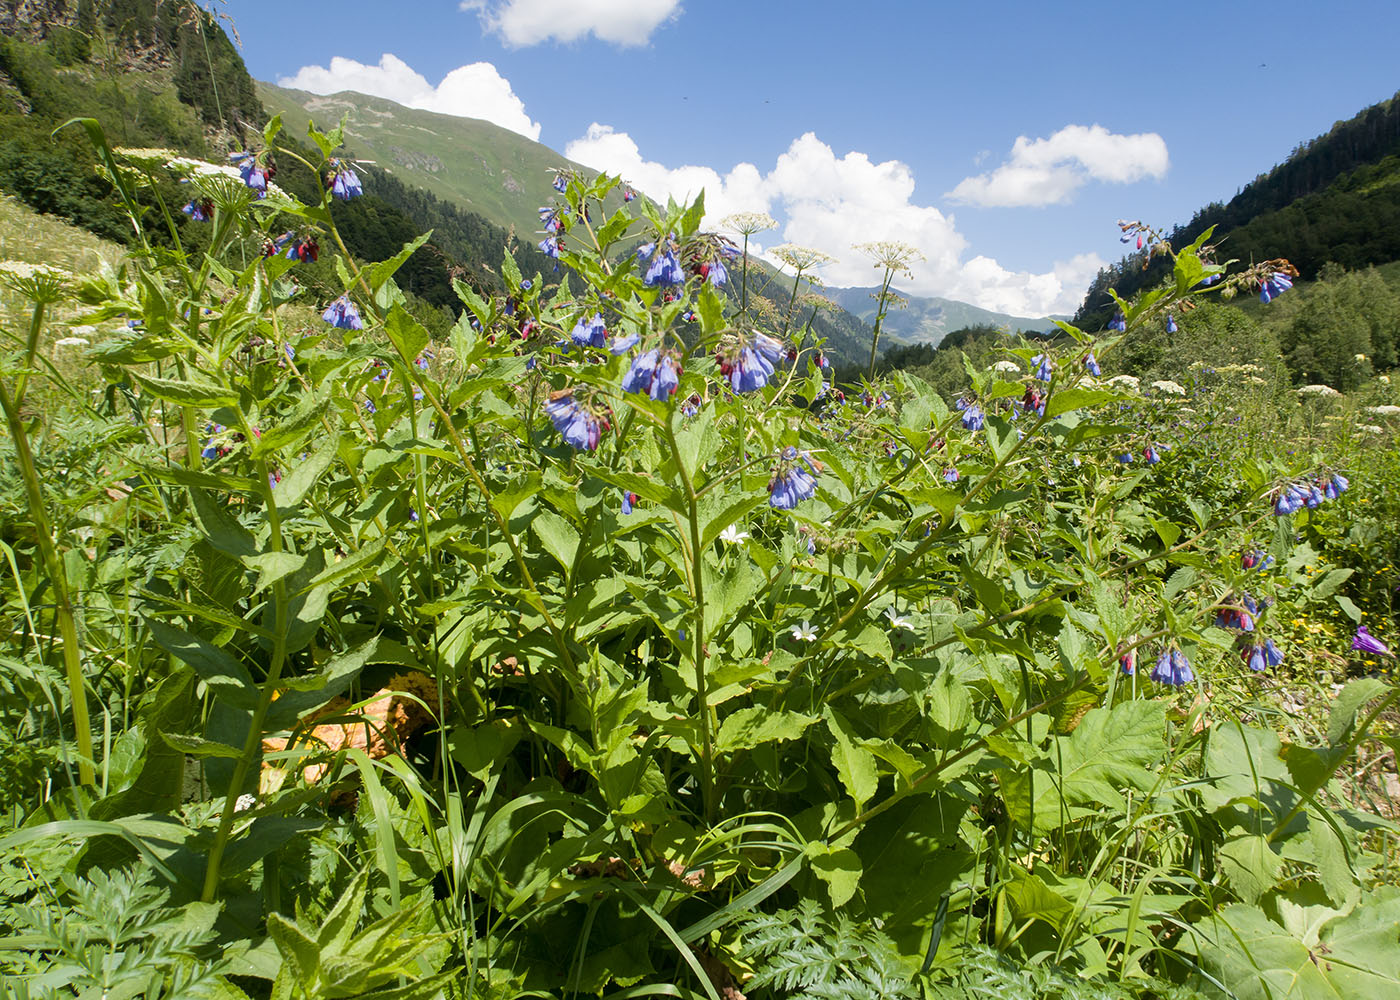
(199, 209)
(621, 345)
(1151, 455)
(1092, 365)
(1336, 486)
(561, 183)
(1171, 324)
(1254, 656)
(589, 331)
(1274, 286)
(1043, 371)
(628, 499)
(659, 264)
(1273, 656)
(343, 315)
(655, 373)
(1172, 668)
(628, 194)
(1126, 458)
(1367, 643)
(578, 424)
(254, 175)
(951, 475)
(345, 184)
(1119, 322)
(973, 418)
(552, 218)
(794, 480)
(748, 364)
(549, 246)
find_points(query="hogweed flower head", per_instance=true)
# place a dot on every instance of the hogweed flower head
(890, 255)
(800, 258)
(748, 223)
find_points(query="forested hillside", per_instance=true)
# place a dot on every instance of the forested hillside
(169, 77)
(1335, 199)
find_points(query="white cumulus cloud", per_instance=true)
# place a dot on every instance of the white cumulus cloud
(830, 202)
(529, 22)
(476, 90)
(1049, 171)
(613, 152)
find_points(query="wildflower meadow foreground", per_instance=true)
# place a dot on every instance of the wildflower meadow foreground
(613, 644)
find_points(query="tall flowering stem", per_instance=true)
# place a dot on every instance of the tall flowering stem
(746, 224)
(697, 591)
(43, 288)
(894, 257)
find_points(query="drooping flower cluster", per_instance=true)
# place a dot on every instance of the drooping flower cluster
(580, 424)
(343, 315)
(1172, 668)
(794, 480)
(1261, 655)
(344, 182)
(1256, 560)
(1091, 365)
(973, 418)
(655, 372)
(1273, 286)
(589, 331)
(748, 361)
(1295, 496)
(199, 209)
(254, 174)
(1119, 322)
(659, 264)
(1043, 369)
(1238, 613)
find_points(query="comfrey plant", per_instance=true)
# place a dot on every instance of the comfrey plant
(604, 625)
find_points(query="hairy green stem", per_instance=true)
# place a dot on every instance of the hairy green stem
(58, 579)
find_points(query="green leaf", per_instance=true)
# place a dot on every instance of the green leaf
(289, 493)
(1032, 899)
(855, 765)
(1074, 399)
(754, 726)
(1348, 704)
(225, 676)
(273, 566)
(839, 868)
(406, 333)
(558, 537)
(198, 746)
(377, 274)
(1251, 865)
(711, 309)
(293, 429)
(333, 679)
(186, 393)
(297, 948)
(220, 527)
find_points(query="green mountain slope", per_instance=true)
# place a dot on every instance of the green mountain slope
(929, 320)
(1336, 198)
(474, 164)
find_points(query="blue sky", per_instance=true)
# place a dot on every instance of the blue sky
(1003, 139)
